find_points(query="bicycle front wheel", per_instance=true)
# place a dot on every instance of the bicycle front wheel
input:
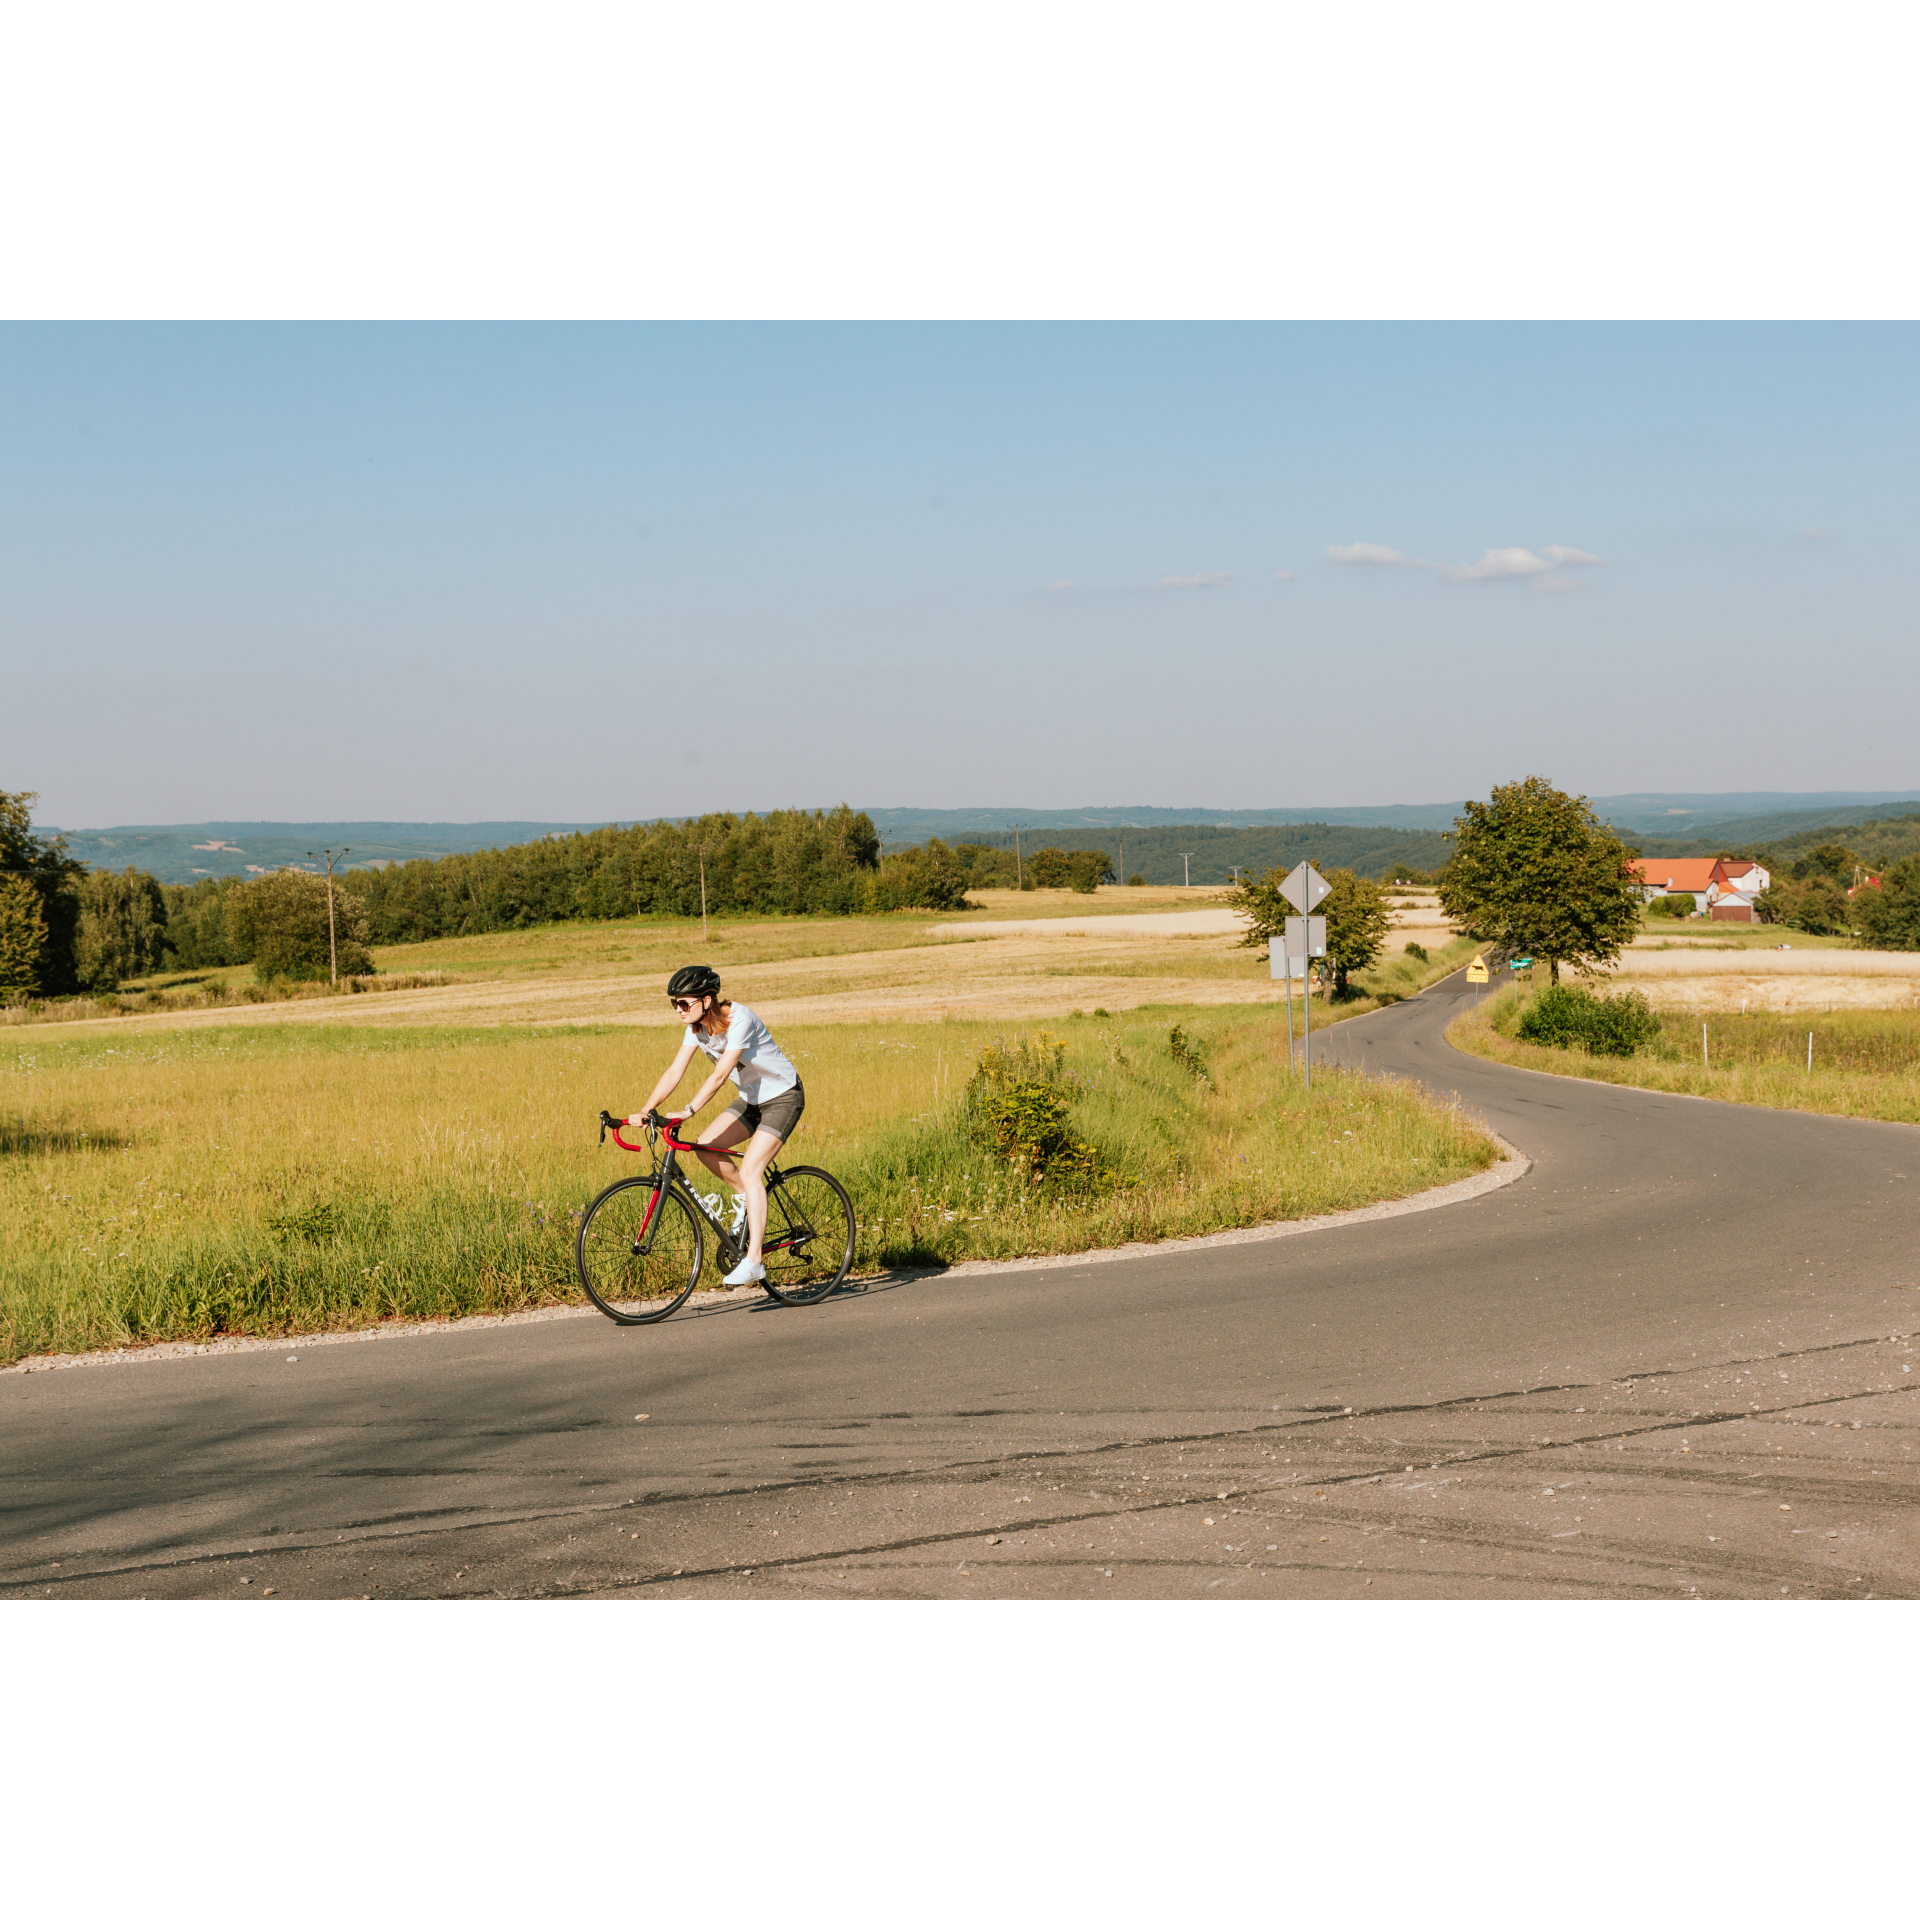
(809, 1235)
(638, 1251)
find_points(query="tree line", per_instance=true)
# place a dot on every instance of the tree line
(65, 929)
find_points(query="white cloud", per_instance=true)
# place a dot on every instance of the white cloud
(1196, 580)
(1501, 563)
(1056, 586)
(1540, 569)
(1283, 575)
(1814, 533)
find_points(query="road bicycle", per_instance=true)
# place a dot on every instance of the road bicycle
(642, 1243)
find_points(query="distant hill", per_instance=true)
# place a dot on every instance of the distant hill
(1369, 839)
(1155, 852)
(1696, 816)
(909, 826)
(219, 847)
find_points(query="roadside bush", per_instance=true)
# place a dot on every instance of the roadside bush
(1018, 1101)
(1189, 1053)
(1569, 1017)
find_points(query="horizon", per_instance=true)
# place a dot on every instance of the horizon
(1729, 802)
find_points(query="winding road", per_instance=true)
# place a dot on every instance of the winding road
(1676, 1359)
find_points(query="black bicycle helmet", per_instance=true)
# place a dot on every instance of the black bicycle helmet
(690, 982)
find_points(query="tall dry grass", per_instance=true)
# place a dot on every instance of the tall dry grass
(185, 1183)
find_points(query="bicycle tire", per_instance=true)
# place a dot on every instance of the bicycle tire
(629, 1287)
(810, 1234)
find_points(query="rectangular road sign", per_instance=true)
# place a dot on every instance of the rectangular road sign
(1304, 888)
(1307, 937)
(1280, 965)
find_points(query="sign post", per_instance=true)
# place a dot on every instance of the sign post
(1306, 940)
(1280, 967)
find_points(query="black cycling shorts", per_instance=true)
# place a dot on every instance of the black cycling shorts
(779, 1115)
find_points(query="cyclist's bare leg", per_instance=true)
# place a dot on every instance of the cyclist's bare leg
(752, 1177)
(728, 1131)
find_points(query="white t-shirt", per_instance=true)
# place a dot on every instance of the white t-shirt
(764, 1071)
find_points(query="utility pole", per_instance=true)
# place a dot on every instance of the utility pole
(333, 950)
(702, 850)
(1019, 871)
(1186, 867)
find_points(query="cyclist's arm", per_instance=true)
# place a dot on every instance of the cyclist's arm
(723, 1069)
(665, 1084)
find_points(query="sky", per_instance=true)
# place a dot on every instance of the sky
(610, 570)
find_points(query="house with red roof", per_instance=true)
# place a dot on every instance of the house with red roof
(1726, 889)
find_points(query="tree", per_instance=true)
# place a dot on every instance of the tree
(1535, 870)
(918, 879)
(122, 929)
(1816, 903)
(1083, 870)
(1889, 914)
(53, 875)
(1356, 913)
(1834, 861)
(23, 937)
(279, 922)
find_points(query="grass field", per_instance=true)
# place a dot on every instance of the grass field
(1865, 1063)
(263, 1169)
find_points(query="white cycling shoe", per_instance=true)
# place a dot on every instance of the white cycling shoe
(748, 1273)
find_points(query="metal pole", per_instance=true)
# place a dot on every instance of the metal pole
(1186, 867)
(1289, 966)
(333, 949)
(704, 934)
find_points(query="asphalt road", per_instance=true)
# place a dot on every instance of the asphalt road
(1675, 1359)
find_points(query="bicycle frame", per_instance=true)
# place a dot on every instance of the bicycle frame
(732, 1240)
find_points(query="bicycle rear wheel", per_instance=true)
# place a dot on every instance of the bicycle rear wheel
(809, 1235)
(636, 1267)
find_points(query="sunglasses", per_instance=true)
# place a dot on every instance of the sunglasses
(685, 1006)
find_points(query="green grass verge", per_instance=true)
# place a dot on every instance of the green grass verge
(1866, 1063)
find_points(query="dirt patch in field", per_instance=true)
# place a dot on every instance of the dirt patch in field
(1018, 974)
(1771, 981)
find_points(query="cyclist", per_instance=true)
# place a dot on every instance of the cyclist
(764, 1113)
